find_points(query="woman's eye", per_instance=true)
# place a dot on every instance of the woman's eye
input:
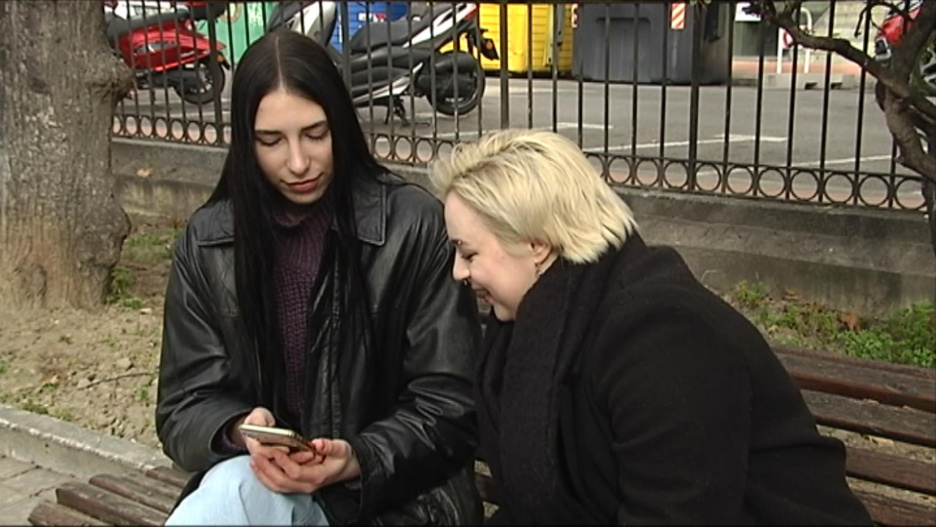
(469, 257)
(317, 137)
(269, 142)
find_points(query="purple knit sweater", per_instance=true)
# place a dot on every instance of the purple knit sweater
(299, 254)
(299, 245)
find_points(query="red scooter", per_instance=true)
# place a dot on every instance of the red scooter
(891, 32)
(162, 47)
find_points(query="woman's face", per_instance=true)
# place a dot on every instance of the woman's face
(293, 144)
(499, 277)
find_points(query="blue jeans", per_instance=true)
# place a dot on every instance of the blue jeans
(230, 494)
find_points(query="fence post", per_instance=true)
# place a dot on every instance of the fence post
(694, 96)
(213, 70)
(504, 56)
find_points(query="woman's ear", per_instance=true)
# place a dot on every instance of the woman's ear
(540, 251)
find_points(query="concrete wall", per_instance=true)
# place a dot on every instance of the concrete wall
(867, 261)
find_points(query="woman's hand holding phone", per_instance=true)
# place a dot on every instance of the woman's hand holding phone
(258, 416)
(330, 461)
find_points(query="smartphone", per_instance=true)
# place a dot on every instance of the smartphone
(272, 436)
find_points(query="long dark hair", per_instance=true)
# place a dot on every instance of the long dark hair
(288, 60)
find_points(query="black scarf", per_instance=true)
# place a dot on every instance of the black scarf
(522, 367)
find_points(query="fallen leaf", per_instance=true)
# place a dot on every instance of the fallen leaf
(851, 321)
(789, 294)
(144, 172)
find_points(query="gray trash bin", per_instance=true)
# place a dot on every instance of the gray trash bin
(650, 24)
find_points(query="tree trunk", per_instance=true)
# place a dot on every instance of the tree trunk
(61, 228)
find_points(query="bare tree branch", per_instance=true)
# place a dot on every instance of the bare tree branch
(904, 13)
(915, 37)
(908, 112)
(900, 122)
(900, 87)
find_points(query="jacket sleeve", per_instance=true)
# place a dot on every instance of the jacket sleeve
(196, 395)
(679, 403)
(431, 430)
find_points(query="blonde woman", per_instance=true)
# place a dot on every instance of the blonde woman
(613, 387)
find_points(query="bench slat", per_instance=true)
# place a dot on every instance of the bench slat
(48, 513)
(905, 369)
(895, 471)
(860, 382)
(134, 491)
(107, 506)
(868, 417)
(169, 475)
(892, 512)
(161, 487)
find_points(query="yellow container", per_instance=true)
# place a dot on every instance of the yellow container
(519, 56)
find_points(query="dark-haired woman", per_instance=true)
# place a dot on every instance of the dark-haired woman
(311, 292)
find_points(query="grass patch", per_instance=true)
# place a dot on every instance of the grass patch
(151, 247)
(750, 294)
(32, 406)
(122, 280)
(904, 337)
(4, 367)
(63, 414)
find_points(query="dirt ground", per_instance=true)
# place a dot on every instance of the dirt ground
(99, 369)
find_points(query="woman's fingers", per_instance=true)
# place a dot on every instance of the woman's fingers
(303, 457)
(287, 465)
(260, 416)
(258, 449)
(332, 448)
(275, 479)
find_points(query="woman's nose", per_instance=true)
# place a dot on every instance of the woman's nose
(298, 162)
(460, 270)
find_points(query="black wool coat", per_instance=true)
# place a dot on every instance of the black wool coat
(625, 392)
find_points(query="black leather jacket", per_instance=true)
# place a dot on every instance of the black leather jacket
(403, 402)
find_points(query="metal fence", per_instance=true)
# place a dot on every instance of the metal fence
(662, 95)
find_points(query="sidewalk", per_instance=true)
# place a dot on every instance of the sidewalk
(22, 486)
(843, 74)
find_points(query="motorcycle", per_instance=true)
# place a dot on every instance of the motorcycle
(387, 60)
(891, 32)
(160, 44)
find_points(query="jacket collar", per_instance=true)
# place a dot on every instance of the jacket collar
(370, 215)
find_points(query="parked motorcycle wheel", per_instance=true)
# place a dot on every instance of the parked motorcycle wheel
(466, 101)
(206, 88)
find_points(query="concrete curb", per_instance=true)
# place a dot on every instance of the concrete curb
(70, 449)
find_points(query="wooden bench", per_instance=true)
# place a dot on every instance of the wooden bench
(891, 403)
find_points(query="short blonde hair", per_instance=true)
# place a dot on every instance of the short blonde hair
(532, 185)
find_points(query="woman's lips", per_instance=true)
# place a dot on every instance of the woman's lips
(302, 187)
(483, 295)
